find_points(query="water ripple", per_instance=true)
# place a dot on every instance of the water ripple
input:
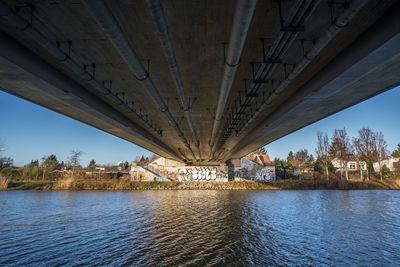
(207, 228)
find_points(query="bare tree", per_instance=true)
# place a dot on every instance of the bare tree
(301, 160)
(323, 151)
(364, 145)
(381, 152)
(341, 149)
(74, 160)
(5, 162)
(2, 147)
(44, 166)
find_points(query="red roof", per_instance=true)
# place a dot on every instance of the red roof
(262, 159)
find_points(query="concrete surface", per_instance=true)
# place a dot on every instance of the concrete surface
(360, 62)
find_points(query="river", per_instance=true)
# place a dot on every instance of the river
(320, 227)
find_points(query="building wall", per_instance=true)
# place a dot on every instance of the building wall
(388, 162)
(352, 165)
(164, 170)
(251, 170)
(266, 174)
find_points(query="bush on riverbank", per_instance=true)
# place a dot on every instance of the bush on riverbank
(70, 183)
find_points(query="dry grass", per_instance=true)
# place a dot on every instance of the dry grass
(72, 183)
(64, 183)
(3, 183)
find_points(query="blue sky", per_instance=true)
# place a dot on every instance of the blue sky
(380, 113)
(29, 131)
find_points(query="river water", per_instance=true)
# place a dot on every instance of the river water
(320, 227)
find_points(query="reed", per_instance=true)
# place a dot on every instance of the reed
(3, 183)
(65, 183)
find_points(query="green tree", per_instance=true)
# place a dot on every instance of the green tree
(282, 168)
(10, 173)
(385, 171)
(92, 165)
(396, 153)
(290, 157)
(319, 167)
(49, 164)
(31, 170)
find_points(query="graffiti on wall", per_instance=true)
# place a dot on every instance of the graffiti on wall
(184, 173)
(138, 175)
(201, 174)
(265, 174)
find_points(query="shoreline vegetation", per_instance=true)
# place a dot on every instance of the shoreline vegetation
(74, 184)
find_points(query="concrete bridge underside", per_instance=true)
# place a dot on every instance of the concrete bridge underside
(199, 81)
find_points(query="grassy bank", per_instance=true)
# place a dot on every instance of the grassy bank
(121, 184)
(30, 185)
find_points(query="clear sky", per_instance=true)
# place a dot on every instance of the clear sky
(380, 113)
(29, 131)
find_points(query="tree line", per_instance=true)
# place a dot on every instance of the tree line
(368, 146)
(49, 167)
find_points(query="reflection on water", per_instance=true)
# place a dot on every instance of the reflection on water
(200, 228)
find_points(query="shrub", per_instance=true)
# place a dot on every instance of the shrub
(9, 173)
(385, 171)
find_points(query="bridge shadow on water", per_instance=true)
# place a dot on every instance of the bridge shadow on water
(190, 227)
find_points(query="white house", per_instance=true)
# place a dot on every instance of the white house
(388, 162)
(354, 164)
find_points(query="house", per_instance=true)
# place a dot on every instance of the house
(257, 167)
(390, 163)
(307, 170)
(353, 164)
(262, 159)
(162, 162)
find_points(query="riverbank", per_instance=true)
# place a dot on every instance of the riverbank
(72, 184)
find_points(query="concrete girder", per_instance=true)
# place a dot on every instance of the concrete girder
(20, 62)
(110, 25)
(377, 49)
(195, 31)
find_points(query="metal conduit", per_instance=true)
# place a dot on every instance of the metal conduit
(21, 56)
(299, 13)
(274, 53)
(306, 11)
(335, 28)
(241, 23)
(158, 15)
(100, 12)
(21, 24)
